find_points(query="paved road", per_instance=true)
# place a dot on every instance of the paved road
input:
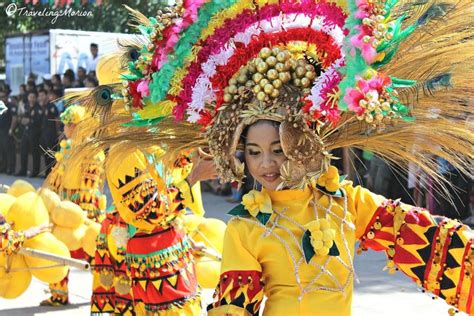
(377, 293)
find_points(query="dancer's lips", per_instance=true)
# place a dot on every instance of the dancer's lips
(271, 176)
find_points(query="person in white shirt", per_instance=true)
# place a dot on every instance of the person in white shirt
(94, 58)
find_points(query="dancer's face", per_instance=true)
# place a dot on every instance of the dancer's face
(264, 154)
(69, 130)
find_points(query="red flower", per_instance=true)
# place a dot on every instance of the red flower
(206, 118)
(135, 94)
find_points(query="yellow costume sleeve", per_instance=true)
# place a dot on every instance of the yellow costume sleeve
(240, 289)
(435, 252)
(192, 198)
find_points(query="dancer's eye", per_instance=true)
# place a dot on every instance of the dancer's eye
(253, 152)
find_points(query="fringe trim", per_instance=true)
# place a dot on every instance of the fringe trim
(160, 257)
(163, 309)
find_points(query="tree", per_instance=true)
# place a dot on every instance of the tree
(110, 16)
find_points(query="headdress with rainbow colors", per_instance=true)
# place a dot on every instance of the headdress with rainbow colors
(381, 75)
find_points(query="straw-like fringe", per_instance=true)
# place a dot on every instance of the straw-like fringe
(136, 18)
(438, 44)
(449, 136)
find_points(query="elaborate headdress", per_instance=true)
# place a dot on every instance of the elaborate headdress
(362, 73)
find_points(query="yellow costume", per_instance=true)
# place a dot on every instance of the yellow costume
(330, 74)
(143, 261)
(81, 185)
(257, 258)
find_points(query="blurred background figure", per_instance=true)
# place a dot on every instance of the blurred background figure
(49, 128)
(94, 57)
(7, 144)
(30, 119)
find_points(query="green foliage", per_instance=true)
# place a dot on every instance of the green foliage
(110, 16)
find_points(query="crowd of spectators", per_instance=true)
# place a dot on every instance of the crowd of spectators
(30, 127)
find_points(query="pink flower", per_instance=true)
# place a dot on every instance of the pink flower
(143, 88)
(377, 82)
(178, 111)
(352, 98)
(364, 9)
(369, 53)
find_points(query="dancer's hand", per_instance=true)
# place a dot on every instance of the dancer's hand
(203, 168)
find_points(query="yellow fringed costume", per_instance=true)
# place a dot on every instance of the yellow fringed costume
(143, 261)
(81, 185)
(434, 252)
(389, 76)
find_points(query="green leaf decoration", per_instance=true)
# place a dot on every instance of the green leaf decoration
(408, 119)
(402, 83)
(263, 217)
(139, 123)
(131, 67)
(145, 30)
(308, 250)
(131, 230)
(334, 251)
(129, 77)
(388, 57)
(389, 5)
(337, 194)
(239, 210)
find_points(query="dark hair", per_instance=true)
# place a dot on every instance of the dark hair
(33, 92)
(94, 45)
(70, 74)
(42, 91)
(56, 92)
(57, 77)
(92, 80)
(5, 87)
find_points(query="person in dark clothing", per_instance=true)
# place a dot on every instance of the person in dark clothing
(23, 94)
(31, 121)
(7, 144)
(81, 76)
(47, 86)
(49, 128)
